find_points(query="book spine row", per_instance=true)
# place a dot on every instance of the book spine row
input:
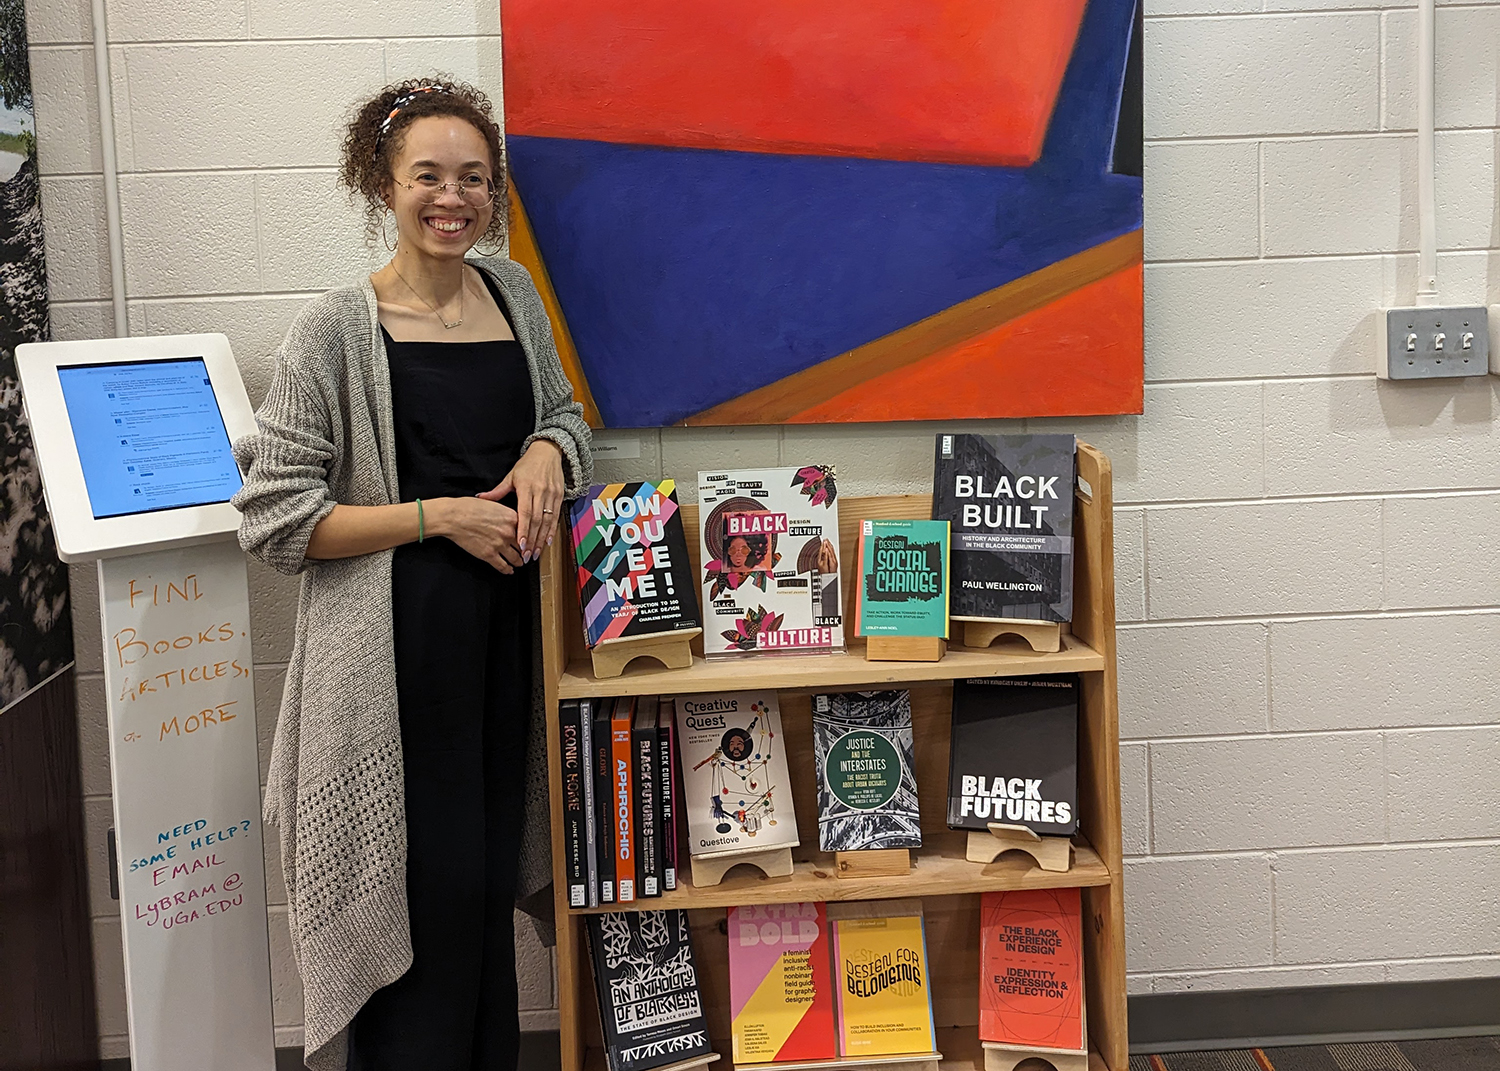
(620, 799)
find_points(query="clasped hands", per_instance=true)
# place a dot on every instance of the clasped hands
(509, 538)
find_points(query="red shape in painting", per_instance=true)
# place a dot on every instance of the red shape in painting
(944, 81)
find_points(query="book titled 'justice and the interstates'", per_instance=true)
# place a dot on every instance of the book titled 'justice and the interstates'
(647, 982)
(1013, 756)
(634, 577)
(770, 576)
(1009, 499)
(865, 765)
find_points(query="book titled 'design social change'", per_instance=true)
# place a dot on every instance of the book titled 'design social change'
(770, 576)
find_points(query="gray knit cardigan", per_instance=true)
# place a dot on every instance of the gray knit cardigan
(335, 787)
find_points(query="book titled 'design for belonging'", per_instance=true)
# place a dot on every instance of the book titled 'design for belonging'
(647, 982)
(1009, 499)
(1013, 756)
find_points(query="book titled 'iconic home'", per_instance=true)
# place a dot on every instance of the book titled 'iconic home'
(903, 578)
(1009, 499)
(770, 577)
(780, 988)
(647, 983)
(634, 577)
(1013, 756)
(865, 762)
(736, 788)
(1031, 969)
(880, 970)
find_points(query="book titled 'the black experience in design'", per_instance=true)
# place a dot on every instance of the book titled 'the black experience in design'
(1009, 499)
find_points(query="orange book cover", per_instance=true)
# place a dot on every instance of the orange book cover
(1031, 969)
(622, 792)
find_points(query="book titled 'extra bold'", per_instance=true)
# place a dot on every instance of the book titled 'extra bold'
(1010, 501)
(780, 989)
(634, 577)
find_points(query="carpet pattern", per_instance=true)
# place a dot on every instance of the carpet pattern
(1448, 1054)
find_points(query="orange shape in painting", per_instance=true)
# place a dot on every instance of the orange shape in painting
(1077, 356)
(947, 81)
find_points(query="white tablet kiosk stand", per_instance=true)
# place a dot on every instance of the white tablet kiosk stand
(132, 439)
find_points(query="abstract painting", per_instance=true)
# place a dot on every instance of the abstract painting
(36, 629)
(855, 210)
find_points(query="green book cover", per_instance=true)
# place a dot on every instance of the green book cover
(903, 587)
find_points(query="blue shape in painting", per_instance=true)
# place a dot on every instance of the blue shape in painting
(689, 277)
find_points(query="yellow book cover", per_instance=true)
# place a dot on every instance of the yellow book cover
(885, 1003)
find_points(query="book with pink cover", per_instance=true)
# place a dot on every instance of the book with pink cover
(780, 987)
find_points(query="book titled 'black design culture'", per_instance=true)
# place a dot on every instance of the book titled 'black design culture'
(647, 983)
(1009, 499)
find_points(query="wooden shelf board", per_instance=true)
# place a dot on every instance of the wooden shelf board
(934, 873)
(1008, 658)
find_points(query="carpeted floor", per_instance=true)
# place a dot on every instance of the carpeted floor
(1452, 1054)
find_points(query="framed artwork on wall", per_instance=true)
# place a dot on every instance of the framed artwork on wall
(858, 210)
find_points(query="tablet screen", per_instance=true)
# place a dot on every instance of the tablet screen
(149, 435)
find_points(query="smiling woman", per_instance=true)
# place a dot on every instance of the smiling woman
(412, 457)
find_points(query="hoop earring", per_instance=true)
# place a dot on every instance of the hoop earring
(389, 245)
(497, 249)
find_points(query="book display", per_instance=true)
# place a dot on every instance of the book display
(635, 584)
(946, 887)
(864, 761)
(902, 609)
(1007, 498)
(770, 573)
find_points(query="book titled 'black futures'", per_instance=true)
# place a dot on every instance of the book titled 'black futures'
(1009, 499)
(1014, 754)
(649, 1000)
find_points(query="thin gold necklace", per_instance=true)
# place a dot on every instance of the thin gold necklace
(456, 323)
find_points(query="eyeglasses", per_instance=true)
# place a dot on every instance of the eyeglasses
(476, 191)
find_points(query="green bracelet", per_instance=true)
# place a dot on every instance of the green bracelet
(421, 532)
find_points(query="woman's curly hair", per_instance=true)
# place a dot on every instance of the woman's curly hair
(366, 168)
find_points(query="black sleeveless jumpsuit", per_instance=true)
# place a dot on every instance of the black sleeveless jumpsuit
(463, 638)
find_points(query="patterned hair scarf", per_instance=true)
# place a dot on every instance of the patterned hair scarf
(402, 101)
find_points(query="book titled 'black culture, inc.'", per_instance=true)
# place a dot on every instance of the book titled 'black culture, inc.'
(867, 787)
(770, 577)
(1013, 756)
(649, 1000)
(634, 577)
(1009, 499)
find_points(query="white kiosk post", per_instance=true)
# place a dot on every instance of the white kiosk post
(132, 438)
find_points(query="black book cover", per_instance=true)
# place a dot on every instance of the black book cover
(649, 1002)
(648, 870)
(604, 826)
(1013, 757)
(1009, 499)
(590, 827)
(666, 810)
(575, 835)
(866, 771)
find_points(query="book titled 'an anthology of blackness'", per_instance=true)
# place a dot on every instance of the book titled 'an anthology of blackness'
(770, 545)
(736, 788)
(1010, 501)
(903, 579)
(634, 577)
(880, 969)
(1031, 969)
(647, 982)
(865, 764)
(1013, 755)
(780, 988)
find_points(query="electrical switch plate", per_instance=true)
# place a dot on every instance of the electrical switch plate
(1495, 339)
(1433, 343)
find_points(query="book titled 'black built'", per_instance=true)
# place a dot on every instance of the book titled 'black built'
(1009, 499)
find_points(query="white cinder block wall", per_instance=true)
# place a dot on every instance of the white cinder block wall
(1306, 589)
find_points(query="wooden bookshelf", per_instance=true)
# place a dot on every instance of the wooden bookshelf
(948, 884)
